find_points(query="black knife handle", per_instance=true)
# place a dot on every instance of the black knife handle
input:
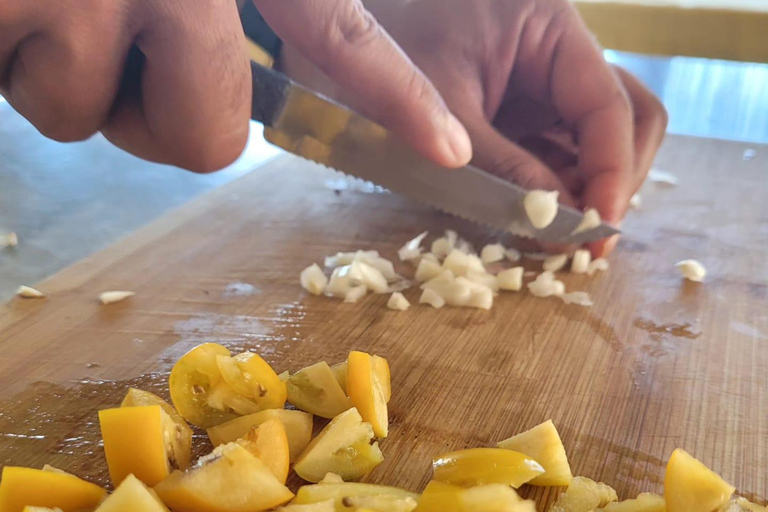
(270, 92)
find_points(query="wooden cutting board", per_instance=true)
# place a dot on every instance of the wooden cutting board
(657, 363)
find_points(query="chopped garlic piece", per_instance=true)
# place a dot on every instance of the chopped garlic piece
(117, 296)
(481, 299)
(598, 265)
(457, 262)
(511, 279)
(412, 249)
(556, 262)
(9, 240)
(432, 298)
(465, 247)
(398, 301)
(578, 298)
(340, 282)
(580, 263)
(636, 202)
(513, 255)
(355, 293)
(443, 246)
(492, 253)
(345, 258)
(591, 220)
(449, 288)
(692, 270)
(313, 279)
(371, 277)
(541, 207)
(662, 177)
(431, 257)
(546, 285)
(427, 270)
(29, 292)
(483, 278)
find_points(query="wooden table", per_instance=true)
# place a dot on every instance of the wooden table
(656, 364)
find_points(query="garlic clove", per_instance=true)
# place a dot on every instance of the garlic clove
(591, 220)
(27, 292)
(313, 279)
(580, 263)
(398, 301)
(511, 279)
(556, 262)
(692, 270)
(541, 207)
(115, 296)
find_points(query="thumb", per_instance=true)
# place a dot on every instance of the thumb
(344, 40)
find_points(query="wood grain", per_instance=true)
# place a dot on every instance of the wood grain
(656, 364)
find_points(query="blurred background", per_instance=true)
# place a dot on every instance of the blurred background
(705, 59)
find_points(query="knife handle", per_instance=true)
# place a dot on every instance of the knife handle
(270, 92)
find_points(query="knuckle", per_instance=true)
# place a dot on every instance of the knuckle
(354, 25)
(516, 168)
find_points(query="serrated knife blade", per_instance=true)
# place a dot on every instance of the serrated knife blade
(316, 128)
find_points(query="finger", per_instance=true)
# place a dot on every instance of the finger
(498, 155)
(347, 44)
(64, 76)
(193, 104)
(650, 124)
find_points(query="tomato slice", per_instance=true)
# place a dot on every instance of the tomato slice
(482, 466)
(366, 392)
(193, 379)
(252, 377)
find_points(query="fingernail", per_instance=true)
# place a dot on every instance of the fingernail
(458, 146)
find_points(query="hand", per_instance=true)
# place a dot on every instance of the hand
(169, 80)
(541, 105)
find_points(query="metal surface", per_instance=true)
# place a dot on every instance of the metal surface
(320, 130)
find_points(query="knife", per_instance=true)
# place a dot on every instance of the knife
(318, 129)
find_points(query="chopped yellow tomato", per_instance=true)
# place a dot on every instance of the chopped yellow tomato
(481, 466)
(44, 509)
(340, 372)
(193, 379)
(381, 368)
(690, 486)
(181, 439)
(366, 392)
(132, 495)
(645, 502)
(342, 447)
(137, 440)
(297, 424)
(22, 487)
(316, 390)
(252, 377)
(323, 506)
(269, 443)
(584, 495)
(231, 479)
(356, 493)
(440, 497)
(542, 443)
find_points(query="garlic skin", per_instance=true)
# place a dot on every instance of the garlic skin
(412, 249)
(577, 298)
(398, 302)
(513, 255)
(432, 298)
(9, 240)
(598, 265)
(591, 220)
(555, 263)
(692, 270)
(581, 260)
(545, 285)
(114, 296)
(313, 279)
(511, 279)
(636, 202)
(492, 253)
(27, 292)
(662, 177)
(541, 207)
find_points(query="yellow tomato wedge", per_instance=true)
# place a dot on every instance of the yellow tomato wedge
(340, 372)
(381, 369)
(181, 439)
(132, 495)
(584, 495)
(323, 506)
(22, 487)
(44, 509)
(315, 389)
(690, 486)
(645, 502)
(269, 443)
(297, 424)
(231, 479)
(193, 378)
(342, 447)
(366, 392)
(387, 498)
(440, 497)
(542, 443)
(252, 377)
(481, 466)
